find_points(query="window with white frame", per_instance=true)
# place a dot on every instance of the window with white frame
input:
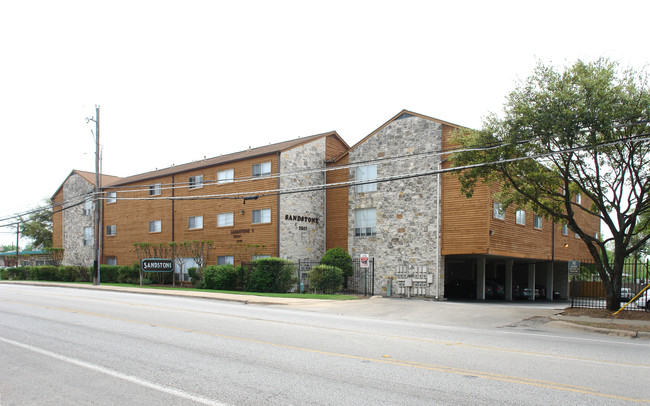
(520, 216)
(565, 229)
(225, 260)
(365, 222)
(155, 189)
(261, 216)
(88, 208)
(262, 169)
(596, 235)
(111, 230)
(365, 173)
(498, 212)
(225, 219)
(111, 197)
(538, 221)
(88, 236)
(576, 235)
(578, 198)
(260, 256)
(195, 222)
(111, 261)
(155, 226)
(195, 182)
(226, 176)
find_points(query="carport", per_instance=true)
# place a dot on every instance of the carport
(512, 273)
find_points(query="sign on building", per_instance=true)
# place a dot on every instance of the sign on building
(574, 268)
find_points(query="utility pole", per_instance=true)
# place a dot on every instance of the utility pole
(17, 238)
(97, 226)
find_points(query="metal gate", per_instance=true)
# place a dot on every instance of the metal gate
(362, 280)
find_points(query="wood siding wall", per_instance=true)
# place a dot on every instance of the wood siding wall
(336, 210)
(132, 217)
(57, 220)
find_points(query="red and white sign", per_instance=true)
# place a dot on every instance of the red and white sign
(364, 260)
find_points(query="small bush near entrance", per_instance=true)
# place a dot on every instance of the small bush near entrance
(45, 273)
(274, 275)
(326, 279)
(339, 258)
(220, 277)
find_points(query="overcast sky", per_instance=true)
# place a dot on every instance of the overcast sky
(180, 80)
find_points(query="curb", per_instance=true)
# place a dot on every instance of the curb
(598, 330)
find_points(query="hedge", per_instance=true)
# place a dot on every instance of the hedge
(326, 279)
(274, 275)
(220, 277)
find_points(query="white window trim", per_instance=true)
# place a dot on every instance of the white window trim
(262, 172)
(111, 197)
(498, 212)
(565, 229)
(231, 218)
(225, 260)
(111, 230)
(519, 213)
(578, 198)
(157, 222)
(195, 227)
(365, 230)
(226, 176)
(537, 217)
(155, 189)
(111, 261)
(262, 212)
(195, 182)
(365, 173)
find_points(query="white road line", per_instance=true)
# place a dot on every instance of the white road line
(129, 378)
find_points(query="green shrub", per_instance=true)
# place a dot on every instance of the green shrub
(326, 279)
(129, 274)
(18, 273)
(45, 273)
(68, 273)
(339, 258)
(269, 275)
(109, 273)
(220, 277)
(194, 274)
(85, 274)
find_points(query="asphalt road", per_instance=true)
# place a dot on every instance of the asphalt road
(70, 346)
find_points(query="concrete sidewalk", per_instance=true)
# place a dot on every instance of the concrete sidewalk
(489, 314)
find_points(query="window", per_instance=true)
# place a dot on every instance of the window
(576, 235)
(88, 208)
(155, 226)
(226, 176)
(521, 217)
(261, 216)
(224, 219)
(225, 260)
(578, 198)
(262, 169)
(111, 230)
(565, 229)
(195, 222)
(196, 182)
(88, 236)
(154, 190)
(111, 197)
(260, 256)
(596, 235)
(111, 261)
(538, 221)
(365, 222)
(364, 173)
(498, 212)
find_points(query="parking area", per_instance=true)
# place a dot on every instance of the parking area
(505, 279)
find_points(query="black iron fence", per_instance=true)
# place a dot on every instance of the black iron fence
(361, 282)
(587, 290)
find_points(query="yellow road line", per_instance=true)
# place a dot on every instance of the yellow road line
(382, 360)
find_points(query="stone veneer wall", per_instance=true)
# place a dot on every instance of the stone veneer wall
(302, 215)
(74, 222)
(406, 239)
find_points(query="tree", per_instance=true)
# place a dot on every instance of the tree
(38, 226)
(580, 130)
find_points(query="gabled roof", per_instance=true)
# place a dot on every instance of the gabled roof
(402, 114)
(89, 177)
(223, 159)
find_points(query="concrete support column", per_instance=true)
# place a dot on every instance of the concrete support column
(480, 278)
(549, 281)
(508, 282)
(531, 280)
